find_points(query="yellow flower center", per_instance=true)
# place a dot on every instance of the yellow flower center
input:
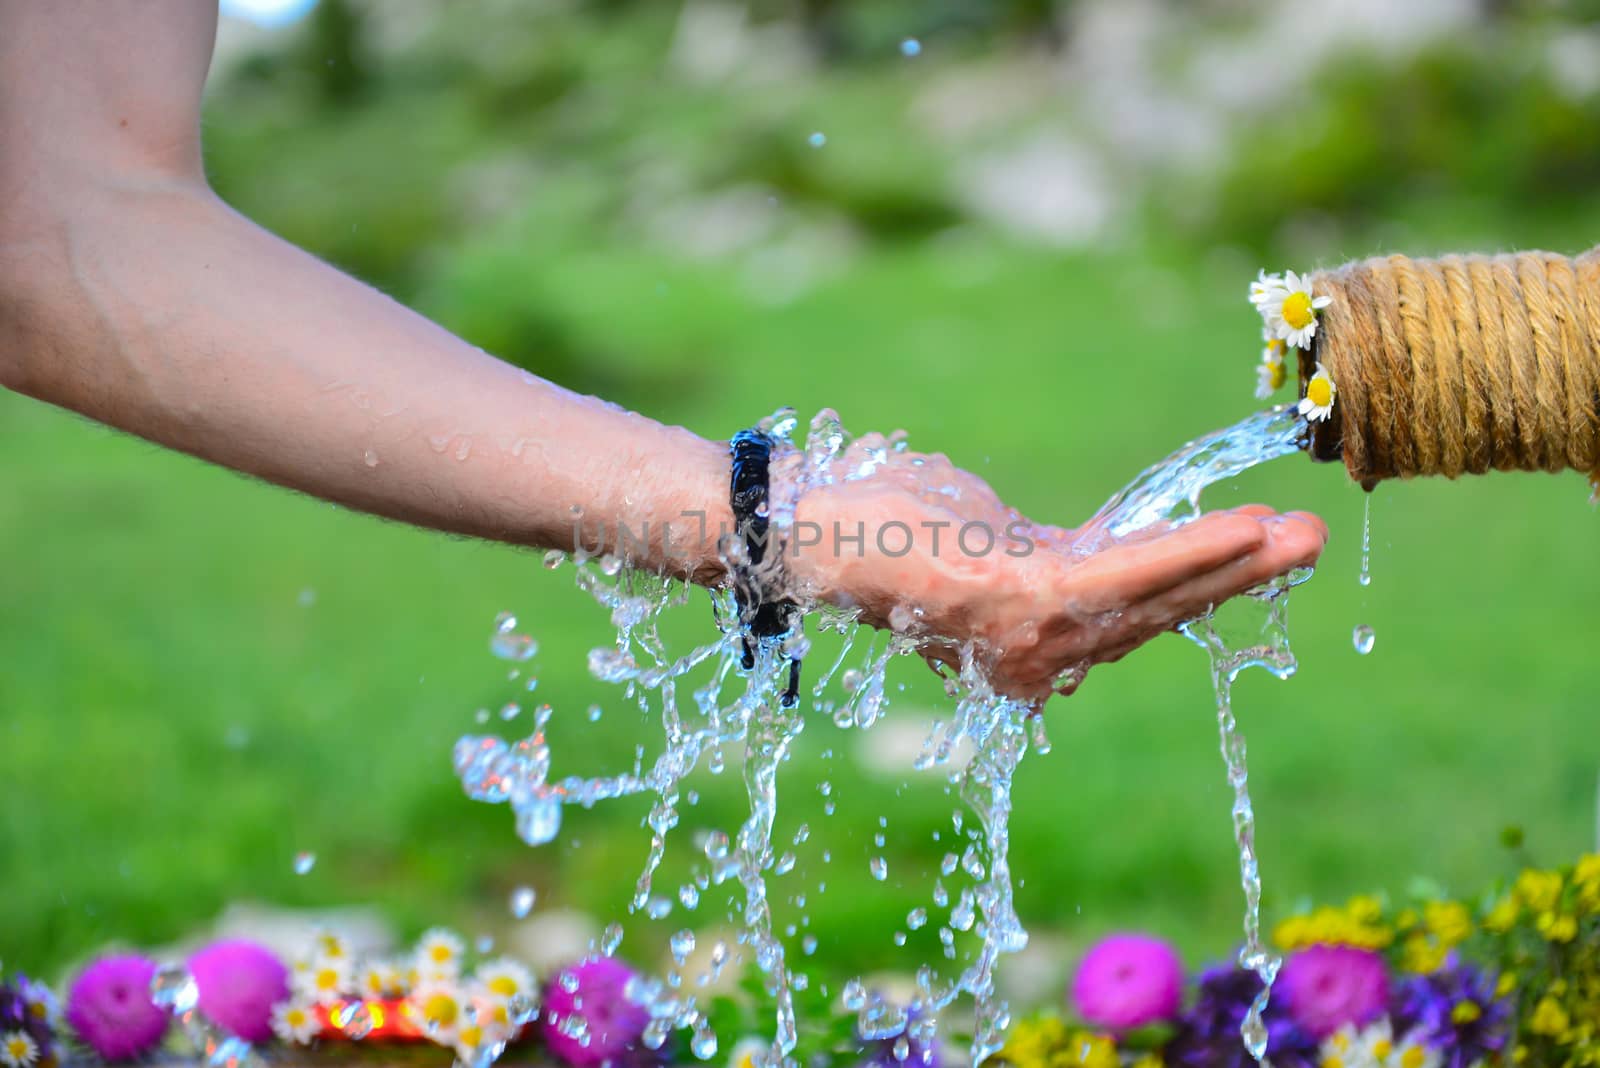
(1382, 1048)
(328, 979)
(1280, 374)
(1412, 1057)
(440, 1009)
(1297, 311)
(1320, 392)
(747, 1061)
(440, 953)
(1465, 1012)
(1333, 1060)
(503, 985)
(296, 1017)
(471, 1035)
(17, 1047)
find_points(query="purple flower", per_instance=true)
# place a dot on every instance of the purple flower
(1208, 1034)
(918, 1053)
(1128, 981)
(109, 1006)
(611, 1024)
(1326, 987)
(29, 1007)
(1427, 1006)
(239, 982)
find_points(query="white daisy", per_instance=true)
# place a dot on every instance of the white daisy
(439, 954)
(1269, 379)
(296, 1021)
(41, 1003)
(1412, 1052)
(1317, 404)
(747, 1052)
(18, 1049)
(330, 945)
(504, 978)
(1290, 309)
(323, 981)
(1263, 285)
(485, 1022)
(437, 1007)
(381, 979)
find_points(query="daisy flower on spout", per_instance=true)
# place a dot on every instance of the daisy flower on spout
(1271, 372)
(1289, 307)
(1317, 404)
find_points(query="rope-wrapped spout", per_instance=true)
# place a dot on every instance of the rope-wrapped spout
(1462, 364)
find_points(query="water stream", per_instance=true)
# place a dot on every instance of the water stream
(735, 707)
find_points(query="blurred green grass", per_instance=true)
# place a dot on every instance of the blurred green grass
(205, 676)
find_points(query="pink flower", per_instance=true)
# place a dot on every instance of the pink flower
(109, 1006)
(239, 982)
(1327, 987)
(610, 1021)
(1127, 981)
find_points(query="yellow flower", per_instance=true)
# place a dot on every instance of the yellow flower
(1557, 928)
(1448, 921)
(1365, 908)
(1088, 1050)
(1422, 954)
(1150, 1060)
(1354, 925)
(1506, 984)
(1586, 879)
(1504, 915)
(1549, 1018)
(1407, 918)
(1538, 890)
(1032, 1041)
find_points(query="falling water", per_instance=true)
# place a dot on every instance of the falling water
(720, 713)
(1365, 577)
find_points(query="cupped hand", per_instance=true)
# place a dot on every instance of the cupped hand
(928, 549)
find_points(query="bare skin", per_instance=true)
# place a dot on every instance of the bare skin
(131, 293)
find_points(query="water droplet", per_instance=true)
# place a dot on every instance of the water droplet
(539, 820)
(808, 945)
(510, 711)
(172, 988)
(507, 643)
(879, 868)
(370, 458)
(851, 680)
(522, 899)
(682, 944)
(716, 846)
(304, 862)
(611, 940)
(916, 918)
(355, 1019)
(594, 713)
(1362, 638)
(307, 598)
(704, 1043)
(817, 139)
(553, 559)
(910, 47)
(689, 895)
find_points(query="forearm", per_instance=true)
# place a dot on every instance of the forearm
(149, 305)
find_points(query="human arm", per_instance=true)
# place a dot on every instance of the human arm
(130, 293)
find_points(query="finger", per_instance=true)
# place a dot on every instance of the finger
(1130, 573)
(1291, 542)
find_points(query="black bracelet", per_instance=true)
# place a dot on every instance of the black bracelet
(763, 611)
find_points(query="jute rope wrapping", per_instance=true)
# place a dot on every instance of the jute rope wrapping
(1462, 364)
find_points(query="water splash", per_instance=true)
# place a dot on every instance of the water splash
(738, 707)
(1170, 493)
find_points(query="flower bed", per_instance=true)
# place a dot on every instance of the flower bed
(1509, 978)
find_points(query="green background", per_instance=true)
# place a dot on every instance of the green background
(203, 676)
